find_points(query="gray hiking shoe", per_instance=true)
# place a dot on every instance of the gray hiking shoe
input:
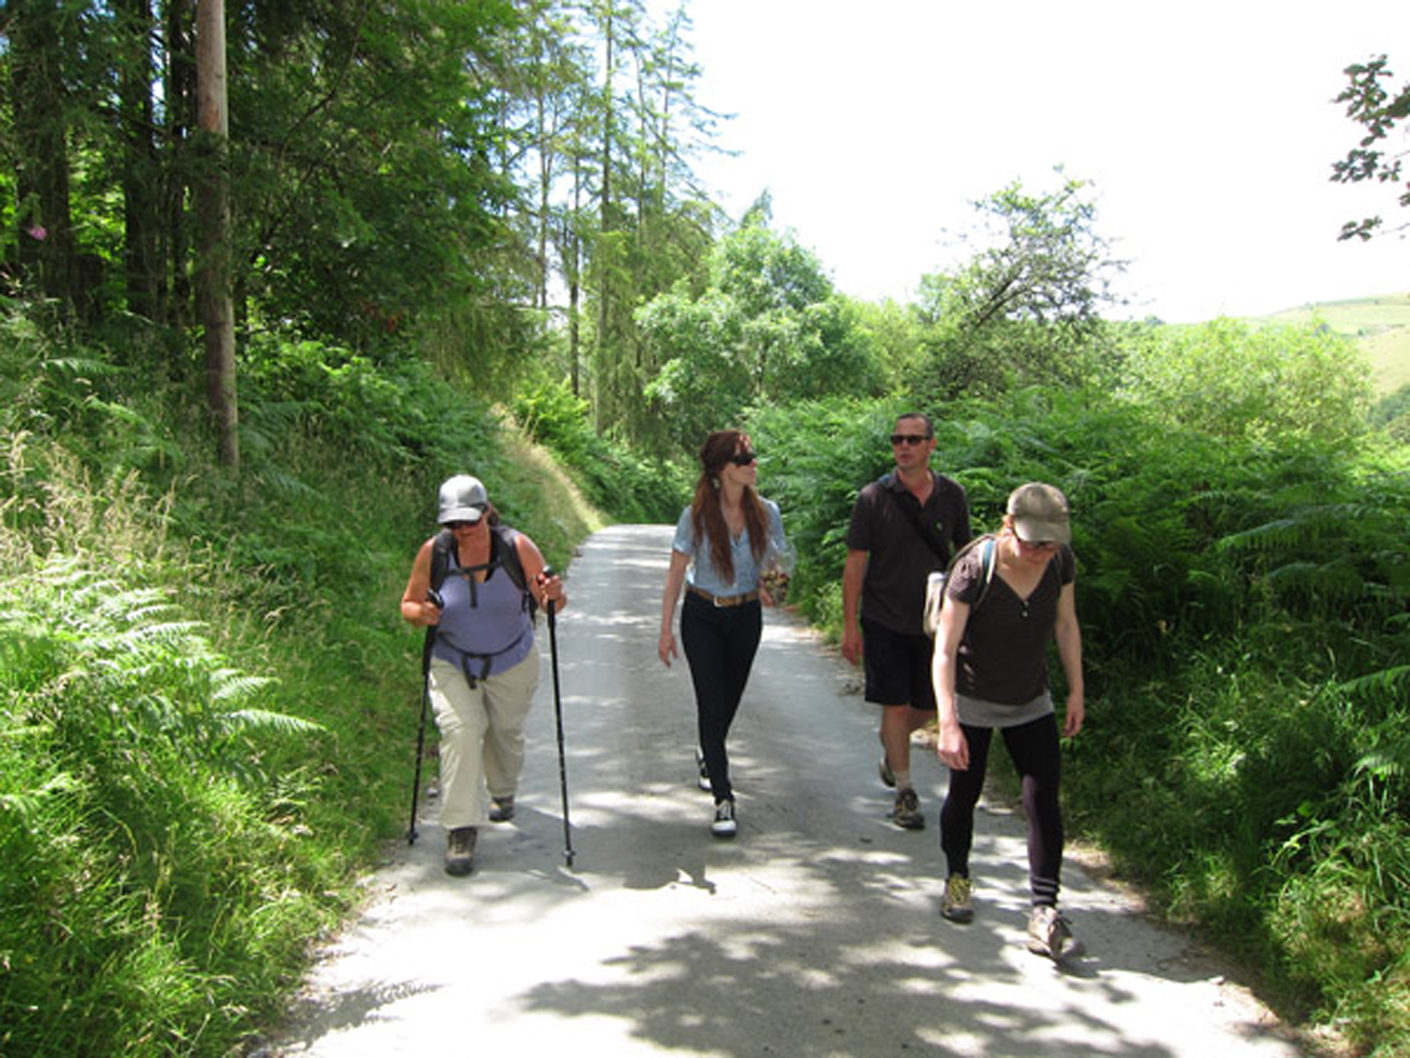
(501, 809)
(460, 850)
(1049, 934)
(888, 777)
(955, 904)
(908, 815)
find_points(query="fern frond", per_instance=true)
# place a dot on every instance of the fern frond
(1394, 680)
(233, 686)
(1336, 580)
(266, 720)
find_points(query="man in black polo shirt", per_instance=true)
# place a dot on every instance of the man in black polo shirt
(890, 552)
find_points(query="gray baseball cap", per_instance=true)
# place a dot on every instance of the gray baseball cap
(463, 499)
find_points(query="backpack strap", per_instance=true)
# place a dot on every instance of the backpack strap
(508, 541)
(442, 551)
(986, 566)
(442, 548)
(988, 552)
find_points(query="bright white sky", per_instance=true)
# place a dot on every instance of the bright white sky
(1206, 128)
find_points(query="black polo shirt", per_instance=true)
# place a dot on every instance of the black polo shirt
(898, 559)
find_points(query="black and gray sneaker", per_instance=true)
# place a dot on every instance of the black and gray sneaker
(724, 825)
(460, 850)
(502, 809)
(703, 778)
(908, 815)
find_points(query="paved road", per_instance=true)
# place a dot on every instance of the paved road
(815, 932)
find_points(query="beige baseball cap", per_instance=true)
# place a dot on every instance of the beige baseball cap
(1040, 514)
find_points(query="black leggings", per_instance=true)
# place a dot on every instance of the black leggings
(720, 643)
(1033, 748)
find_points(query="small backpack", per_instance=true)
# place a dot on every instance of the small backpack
(935, 585)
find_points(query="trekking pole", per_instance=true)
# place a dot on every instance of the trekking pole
(435, 598)
(558, 714)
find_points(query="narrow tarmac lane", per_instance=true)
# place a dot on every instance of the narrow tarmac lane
(815, 932)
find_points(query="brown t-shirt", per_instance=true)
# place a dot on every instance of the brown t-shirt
(898, 559)
(1003, 656)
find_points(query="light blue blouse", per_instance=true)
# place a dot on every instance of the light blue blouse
(703, 574)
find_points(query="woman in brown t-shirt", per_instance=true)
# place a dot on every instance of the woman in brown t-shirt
(990, 673)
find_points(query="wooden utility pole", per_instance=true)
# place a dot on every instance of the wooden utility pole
(213, 221)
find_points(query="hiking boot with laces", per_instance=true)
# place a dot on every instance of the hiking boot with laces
(724, 825)
(703, 781)
(460, 850)
(1049, 934)
(908, 815)
(888, 777)
(955, 903)
(502, 809)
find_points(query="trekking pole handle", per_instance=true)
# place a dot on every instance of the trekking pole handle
(547, 574)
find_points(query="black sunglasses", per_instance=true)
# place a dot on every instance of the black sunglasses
(464, 524)
(742, 459)
(909, 438)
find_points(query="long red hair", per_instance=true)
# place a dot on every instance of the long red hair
(706, 515)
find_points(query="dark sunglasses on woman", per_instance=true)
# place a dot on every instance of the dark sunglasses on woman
(742, 459)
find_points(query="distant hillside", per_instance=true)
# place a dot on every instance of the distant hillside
(1379, 325)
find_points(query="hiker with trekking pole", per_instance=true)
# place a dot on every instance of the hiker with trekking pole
(475, 587)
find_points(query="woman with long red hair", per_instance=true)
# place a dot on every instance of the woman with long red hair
(724, 541)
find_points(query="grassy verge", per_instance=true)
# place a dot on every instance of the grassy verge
(207, 695)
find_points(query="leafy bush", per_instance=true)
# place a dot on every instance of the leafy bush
(1275, 383)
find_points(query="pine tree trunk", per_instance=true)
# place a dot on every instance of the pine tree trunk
(46, 250)
(213, 223)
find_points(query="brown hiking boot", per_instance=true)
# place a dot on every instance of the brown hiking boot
(460, 850)
(908, 815)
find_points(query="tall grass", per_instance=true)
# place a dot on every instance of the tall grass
(156, 891)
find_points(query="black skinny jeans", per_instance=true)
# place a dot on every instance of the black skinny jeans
(720, 643)
(1033, 748)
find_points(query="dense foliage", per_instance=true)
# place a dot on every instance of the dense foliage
(1244, 597)
(767, 327)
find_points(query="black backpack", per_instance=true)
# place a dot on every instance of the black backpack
(504, 554)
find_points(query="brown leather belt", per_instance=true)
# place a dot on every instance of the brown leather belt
(724, 600)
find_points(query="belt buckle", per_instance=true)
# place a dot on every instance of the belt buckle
(718, 601)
